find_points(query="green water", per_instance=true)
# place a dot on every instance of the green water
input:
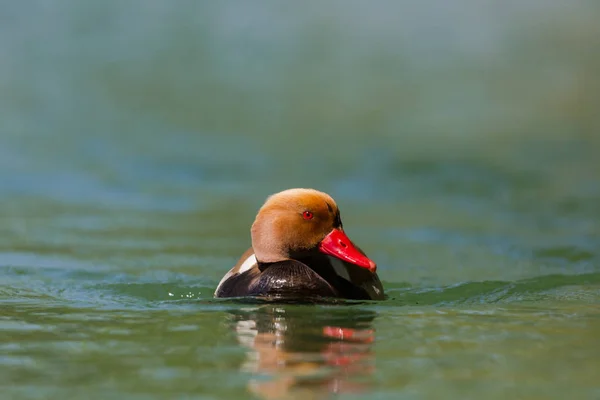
(138, 139)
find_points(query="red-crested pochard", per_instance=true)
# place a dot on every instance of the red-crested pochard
(300, 251)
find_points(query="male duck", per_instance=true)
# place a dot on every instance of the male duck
(300, 251)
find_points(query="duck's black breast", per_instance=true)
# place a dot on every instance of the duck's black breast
(285, 279)
(349, 280)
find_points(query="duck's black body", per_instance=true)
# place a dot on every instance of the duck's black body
(294, 279)
(285, 279)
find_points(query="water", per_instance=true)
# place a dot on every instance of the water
(137, 141)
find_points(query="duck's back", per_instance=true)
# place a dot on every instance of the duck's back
(285, 279)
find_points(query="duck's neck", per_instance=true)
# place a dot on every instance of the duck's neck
(263, 257)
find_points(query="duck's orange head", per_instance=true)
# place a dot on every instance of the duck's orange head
(299, 222)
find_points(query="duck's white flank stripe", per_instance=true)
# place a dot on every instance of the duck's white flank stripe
(248, 264)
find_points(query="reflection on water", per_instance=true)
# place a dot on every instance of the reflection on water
(297, 353)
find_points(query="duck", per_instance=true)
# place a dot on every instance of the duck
(301, 252)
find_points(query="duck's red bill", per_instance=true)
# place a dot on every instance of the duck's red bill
(337, 244)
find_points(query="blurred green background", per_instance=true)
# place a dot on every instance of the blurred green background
(460, 139)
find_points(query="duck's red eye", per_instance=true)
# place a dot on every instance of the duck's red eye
(307, 215)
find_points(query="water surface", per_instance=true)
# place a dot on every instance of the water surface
(137, 142)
